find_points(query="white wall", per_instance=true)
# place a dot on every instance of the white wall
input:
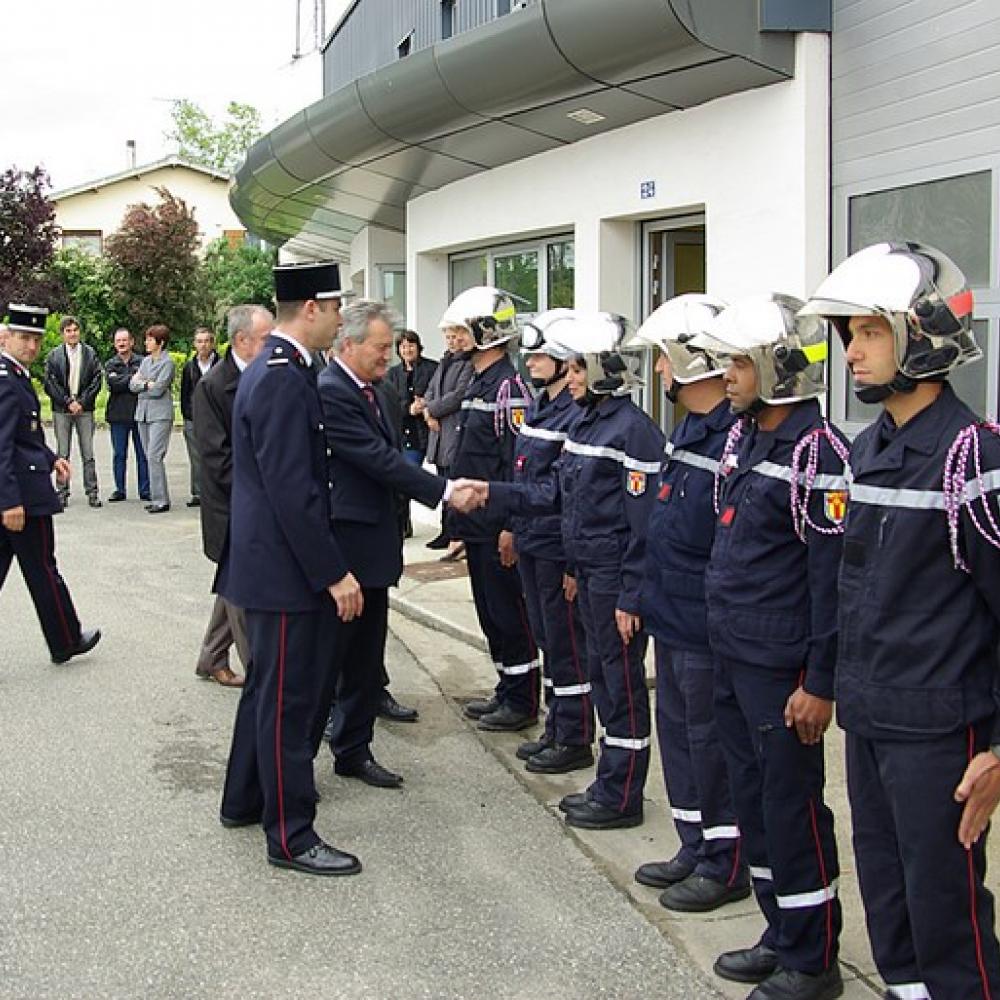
(372, 248)
(756, 163)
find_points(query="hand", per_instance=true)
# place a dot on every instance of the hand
(63, 470)
(809, 715)
(13, 519)
(468, 494)
(346, 593)
(569, 587)
(432, 422)
(75, 408)
(417, 406)
(505, 546)
(629, 625)
(979, 789)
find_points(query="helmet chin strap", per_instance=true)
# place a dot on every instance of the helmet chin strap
(879, 393)
(672, 391)
(544, 383)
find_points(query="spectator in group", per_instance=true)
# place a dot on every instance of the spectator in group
(72, 381)
(205, 358)
(120, 415)
(409, 380)
(442, 413)
(154, 412)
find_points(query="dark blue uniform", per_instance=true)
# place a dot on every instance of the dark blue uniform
(772, 605)
(606, 486)
(26, 463)
(681, 530)
(280, 557)
(555, 622)
(916, 692)
(485, 451)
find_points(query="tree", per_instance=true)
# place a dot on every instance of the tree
(90, 294)
(154, 255)
(218, 145)
(28, 237)
(236, 276)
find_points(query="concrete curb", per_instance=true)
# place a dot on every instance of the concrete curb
(408, 609)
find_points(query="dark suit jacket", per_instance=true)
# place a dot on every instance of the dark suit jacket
(25, 459)
(280, 554)
(366, 471)
(395, 378)
(190, 377)
(56, 383)
(121, 399)
(212, 408)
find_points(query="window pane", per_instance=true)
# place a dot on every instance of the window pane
(952, 214)
(467, 272)
(394, 287)
(971, 382)
(561, 275)
(517, 273)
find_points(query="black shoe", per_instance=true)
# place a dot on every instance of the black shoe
(320, 860)
(64, 502)
(158, 508)
(87, 641)
(560, 759)
(193, 502)
(441, 542)
(661, 874)
(390, 709)
(573, 801)
(479, 707)
(94, 501)
(790, 984)
(117, 497)
(531, 747)
(145, 496)
(408, 530)
(747, 965)
(370, 771)
(506, 720)
(234, 823)
(591, 815)
(698, 894)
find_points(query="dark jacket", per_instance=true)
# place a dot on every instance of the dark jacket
(190, 377)
(280, 555)
(444, 402)
(213, 427)
(56, 383)
(25, 459)
(366, 472)
(413, 430)
(772, 599)
(917, 657)
(121, 399)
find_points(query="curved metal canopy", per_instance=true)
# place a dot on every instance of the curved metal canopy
(489, 96)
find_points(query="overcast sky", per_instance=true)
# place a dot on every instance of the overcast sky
(80, 77)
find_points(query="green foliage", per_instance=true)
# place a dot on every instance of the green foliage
(236, 276)
(219, 145)
(51, 339)
(90, 293)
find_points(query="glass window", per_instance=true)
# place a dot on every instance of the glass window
(90, 240)
(394, 290)
(447, 18)
(953, 214)
(561, 275)
(503, 7)
(467, 272)
(517, 273)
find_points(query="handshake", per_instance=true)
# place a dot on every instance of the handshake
(468, 495)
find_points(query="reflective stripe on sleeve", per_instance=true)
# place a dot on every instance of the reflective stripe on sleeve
(596, 451)
(541, 432)
(625, 743)
(761, 874)
(479, 404)
(692, 458)
(784, 472)
(907, 991)
(570, 690)
(687, 815)
(803, 900)
(721, 832)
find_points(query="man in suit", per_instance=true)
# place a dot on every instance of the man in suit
(212, 412)
(120, 415)
(27, 499)
(282, 565)
(367, 470)
(204, 360)
(72, 381)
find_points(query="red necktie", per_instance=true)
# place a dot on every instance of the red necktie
(370, 396)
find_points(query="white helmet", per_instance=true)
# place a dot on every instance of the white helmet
(534, 339)
(673, 327)
(487, 313)
(788, 352)
(597, 339)
(923, 295)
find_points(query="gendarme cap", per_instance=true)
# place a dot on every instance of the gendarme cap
(299, 282)
(30, 319)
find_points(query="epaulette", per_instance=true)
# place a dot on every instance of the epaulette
(276, 358)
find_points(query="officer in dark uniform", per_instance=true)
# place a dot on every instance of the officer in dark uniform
(283, 566)
(606, 492)
(772, 604)
(493, 409)
(548, 591)
(708, 871)
(919, 613)
(27, 497)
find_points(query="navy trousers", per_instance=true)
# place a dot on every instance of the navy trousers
(558, 630)
(786, 828)
(270, 771)
(120, 435)
(618, 680)
(930, 918)
(694, 768)
(34, 547)
(496, 591)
